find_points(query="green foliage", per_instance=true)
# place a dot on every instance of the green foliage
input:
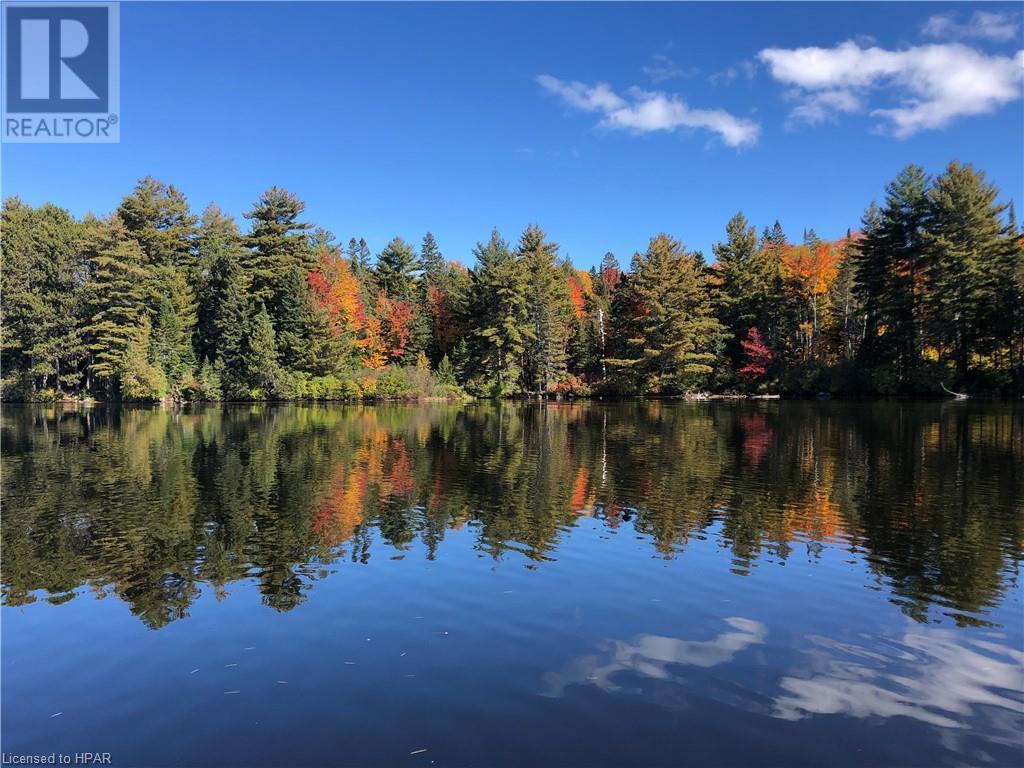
(208, 384)
(548, 311)
(397, 266)
(119, 293)
(888, 280)
(42, 276)
(935, 275)
(666, 336)
(930, 292)
(138, 377)
(446, 372)
(497, 311)
(278, 244)
(744, 280)
(971, 258)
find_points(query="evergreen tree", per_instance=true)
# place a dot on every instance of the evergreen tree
(968, 253)
(174, 362)
(848, 327)
(431, 260)
(889, 279)
(138, 378)
(358, 254)
(547, 311)
(278, 243)
(42, 281)
(293, 320)
(219, 250)
(1010, 299)
(119, 293)
(774, 315)
(157, 216)
(606, 283)
(260, 350)
(667, 336)
(741, 292)
(397, 272)
(397, 267)
(446, 371)
(497, 313)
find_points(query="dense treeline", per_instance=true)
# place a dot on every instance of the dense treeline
(153, 303)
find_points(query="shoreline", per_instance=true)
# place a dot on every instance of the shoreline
(531, 399)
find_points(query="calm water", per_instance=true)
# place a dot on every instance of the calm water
(630, 584)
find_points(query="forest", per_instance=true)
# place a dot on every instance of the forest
(153, 303)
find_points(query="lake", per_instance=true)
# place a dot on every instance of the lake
(644, 583)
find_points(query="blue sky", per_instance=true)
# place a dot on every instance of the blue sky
(604, 123)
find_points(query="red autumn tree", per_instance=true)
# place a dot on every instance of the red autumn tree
(397, 317)
(756, 355)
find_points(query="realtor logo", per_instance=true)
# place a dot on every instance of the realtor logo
(62, 79)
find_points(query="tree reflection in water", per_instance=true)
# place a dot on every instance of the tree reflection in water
(153, 505)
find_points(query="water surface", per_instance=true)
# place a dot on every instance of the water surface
(650, 583)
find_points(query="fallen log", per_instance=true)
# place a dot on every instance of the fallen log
(957, 395)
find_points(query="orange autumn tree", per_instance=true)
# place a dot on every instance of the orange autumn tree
(579, 286)
(809, 272)
(337, 290)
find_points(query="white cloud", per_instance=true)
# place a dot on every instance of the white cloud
(645, 111)
(586, 97)
(984, 25)
(662, 68)
(934, 84)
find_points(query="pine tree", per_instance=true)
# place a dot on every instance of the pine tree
(174, 362)
(431, 260)
(666, 334)
(966, 246)
(293, 320)
(358, 254)
(446, 371)
(138, 378)
(774, 315)
(278, 243)
(218, 244)
(230, 322)
(41, 281)
(157, 216)
(397, 267)
(120, 292)
(260, 351)
(741, 293)
(547, 311)
(848, 328)
(497, 312)
(402, 314)
(1010, 300)
(890, 278)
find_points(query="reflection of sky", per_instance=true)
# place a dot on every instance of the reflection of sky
(651, 655)
(940, 678)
